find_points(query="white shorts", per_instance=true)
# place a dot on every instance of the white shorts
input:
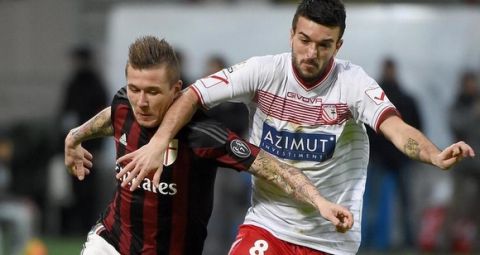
(96, 245)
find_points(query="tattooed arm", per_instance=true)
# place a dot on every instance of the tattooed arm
(415, 145)
(78, 160)
(295, 183)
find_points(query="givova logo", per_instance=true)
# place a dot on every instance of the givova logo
(297, 146)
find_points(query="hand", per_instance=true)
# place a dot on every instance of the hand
(452, 155)
(141, 162)
(77, 159)
(338, 215)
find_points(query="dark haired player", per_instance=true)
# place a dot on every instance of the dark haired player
(171, 217)
(308, 109)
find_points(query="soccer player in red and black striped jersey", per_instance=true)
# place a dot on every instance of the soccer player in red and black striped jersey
(168, 214)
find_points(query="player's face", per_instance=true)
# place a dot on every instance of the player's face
(150, 94)
(313, 46)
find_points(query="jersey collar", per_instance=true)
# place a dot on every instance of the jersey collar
(311, 85)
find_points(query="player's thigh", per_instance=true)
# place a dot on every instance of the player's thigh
(252, 240)
(96, 245)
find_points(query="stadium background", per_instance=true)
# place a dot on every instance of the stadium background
(432, 41)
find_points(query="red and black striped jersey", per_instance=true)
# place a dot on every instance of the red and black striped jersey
(171, 219)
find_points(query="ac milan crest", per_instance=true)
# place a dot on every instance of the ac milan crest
(171, 154)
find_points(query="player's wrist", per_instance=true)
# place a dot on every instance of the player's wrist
(71, 140)
(321, 203)
(438, 162)
(159, 140)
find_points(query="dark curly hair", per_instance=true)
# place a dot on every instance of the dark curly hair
(330, 13)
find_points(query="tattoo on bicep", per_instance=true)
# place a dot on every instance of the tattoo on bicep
(412, 148)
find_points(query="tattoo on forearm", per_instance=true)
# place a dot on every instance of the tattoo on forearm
(98, 126)
(291, 180)
(412, 149)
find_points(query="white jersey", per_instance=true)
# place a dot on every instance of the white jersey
(318, 129)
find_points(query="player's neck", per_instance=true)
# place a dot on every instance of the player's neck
(313, 83)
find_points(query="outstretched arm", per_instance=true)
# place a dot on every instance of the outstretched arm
(295, 183)
(150, 156)
(78, 160)
(415, 145)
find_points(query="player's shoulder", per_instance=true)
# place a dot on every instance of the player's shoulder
(271, 61)
(353, 80)
(346, 70)
(269, 65)
(277, 59)
(121, 94)
(203, 131)
(120, 99)
(120, 104)
(347, 66)
(265, 67)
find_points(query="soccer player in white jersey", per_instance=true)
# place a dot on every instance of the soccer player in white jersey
(308, 109)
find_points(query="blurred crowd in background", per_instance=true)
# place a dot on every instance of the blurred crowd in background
(38, 198)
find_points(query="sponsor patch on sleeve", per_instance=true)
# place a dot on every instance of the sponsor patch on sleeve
(377, 95)
(219, 78)
(240, 148)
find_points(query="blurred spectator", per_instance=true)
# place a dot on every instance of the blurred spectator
(463, 216)
(32, 150)
(388, 173)
(214, 64)
(181, 61)
(85, 95)
(17, 214)
(231, 195)
(227, 1)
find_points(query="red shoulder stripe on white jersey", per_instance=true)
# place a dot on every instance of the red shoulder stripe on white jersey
(387, 112)
(199, 96)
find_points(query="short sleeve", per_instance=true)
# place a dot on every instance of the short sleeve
(366, 99)
(238, 83)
